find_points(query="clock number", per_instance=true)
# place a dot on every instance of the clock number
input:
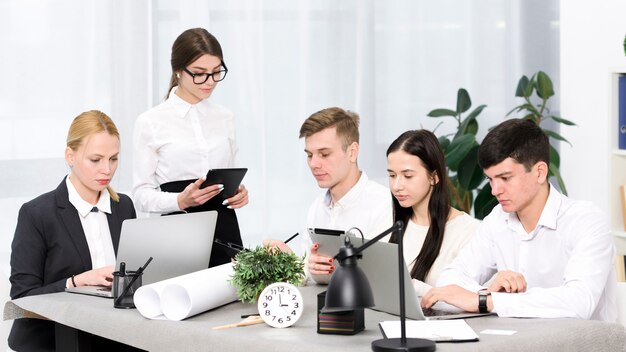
(264, 304)
(281, 289)
(268, 297)
(293, 312)
(296, 305)
(289, 318)
(267, 312)
(280, 320)
(293, 297)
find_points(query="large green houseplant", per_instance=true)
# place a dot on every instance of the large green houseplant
(535, 108)
(469, 188)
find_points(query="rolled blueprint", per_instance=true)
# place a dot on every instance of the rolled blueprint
(187, 295)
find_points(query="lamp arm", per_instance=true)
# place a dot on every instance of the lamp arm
(397, 226)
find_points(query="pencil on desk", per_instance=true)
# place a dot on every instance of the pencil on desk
(292, 237)
(251, 320)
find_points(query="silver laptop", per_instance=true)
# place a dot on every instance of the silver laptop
(179, 244)
(380, 264)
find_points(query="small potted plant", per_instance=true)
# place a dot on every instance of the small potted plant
(256, 268)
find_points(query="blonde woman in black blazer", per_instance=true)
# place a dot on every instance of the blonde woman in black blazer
(50, 249)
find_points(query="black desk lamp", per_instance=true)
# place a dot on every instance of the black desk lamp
(349, 289)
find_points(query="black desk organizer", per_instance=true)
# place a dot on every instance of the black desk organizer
(338, 323)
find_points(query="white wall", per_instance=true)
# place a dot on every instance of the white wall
(592, 33)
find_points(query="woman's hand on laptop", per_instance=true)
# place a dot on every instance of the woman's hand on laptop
(96, 277)
(454, 295)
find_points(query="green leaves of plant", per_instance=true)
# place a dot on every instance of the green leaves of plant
(442, 112)
(463, 101)
(458, 150)
(562, 120)
(544, 86)
(461, 152)
(484, 202)
(256, 268)
(540, 82)
(539, 112)
(522, 87)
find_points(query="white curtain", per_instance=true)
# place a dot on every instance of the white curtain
(390, 61)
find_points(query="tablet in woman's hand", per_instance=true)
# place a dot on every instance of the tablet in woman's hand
(230, 178)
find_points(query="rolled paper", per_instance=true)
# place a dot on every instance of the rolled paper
(181, 297)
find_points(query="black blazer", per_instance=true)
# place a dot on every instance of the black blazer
(49, 246)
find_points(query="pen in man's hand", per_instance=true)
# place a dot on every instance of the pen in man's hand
(292, 237)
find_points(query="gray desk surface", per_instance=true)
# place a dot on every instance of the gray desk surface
(97, 316)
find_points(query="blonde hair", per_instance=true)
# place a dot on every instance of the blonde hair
(86, 124)
(346, 122)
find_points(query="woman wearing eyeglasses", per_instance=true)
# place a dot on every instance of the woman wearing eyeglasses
(179, 140)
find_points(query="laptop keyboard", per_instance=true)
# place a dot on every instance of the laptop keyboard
(430, 312)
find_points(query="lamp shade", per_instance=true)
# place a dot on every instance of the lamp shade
(348, 288)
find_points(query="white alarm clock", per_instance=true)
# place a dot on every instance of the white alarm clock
(280, 304)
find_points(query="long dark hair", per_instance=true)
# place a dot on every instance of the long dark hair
(188, 47)
(424, 145)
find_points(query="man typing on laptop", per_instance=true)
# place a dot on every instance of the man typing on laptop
(552, 256)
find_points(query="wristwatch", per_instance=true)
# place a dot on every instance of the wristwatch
(482, 301)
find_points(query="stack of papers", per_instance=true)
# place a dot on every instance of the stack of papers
(437, 330)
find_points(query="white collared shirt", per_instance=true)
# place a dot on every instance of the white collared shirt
(567, 261)
(95, 226)
(367, 205)
(178, 141)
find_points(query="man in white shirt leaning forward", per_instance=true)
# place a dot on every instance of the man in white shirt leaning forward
(552, 256)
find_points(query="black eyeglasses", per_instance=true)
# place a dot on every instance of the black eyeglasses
(200, 78)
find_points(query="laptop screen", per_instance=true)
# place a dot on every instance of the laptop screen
(179, 244)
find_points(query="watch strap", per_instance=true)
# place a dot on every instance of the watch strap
(482, 301)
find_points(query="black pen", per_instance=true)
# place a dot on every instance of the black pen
(243, 316)
(292, 237)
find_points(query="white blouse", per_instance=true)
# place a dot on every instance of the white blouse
(95, 226)
(178, 141)
(459, 231)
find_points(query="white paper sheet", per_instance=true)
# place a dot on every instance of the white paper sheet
(184, 296)
(436, 330)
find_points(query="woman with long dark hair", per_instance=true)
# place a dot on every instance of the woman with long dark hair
(434, 232)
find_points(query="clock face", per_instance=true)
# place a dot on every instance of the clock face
(280, 304)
